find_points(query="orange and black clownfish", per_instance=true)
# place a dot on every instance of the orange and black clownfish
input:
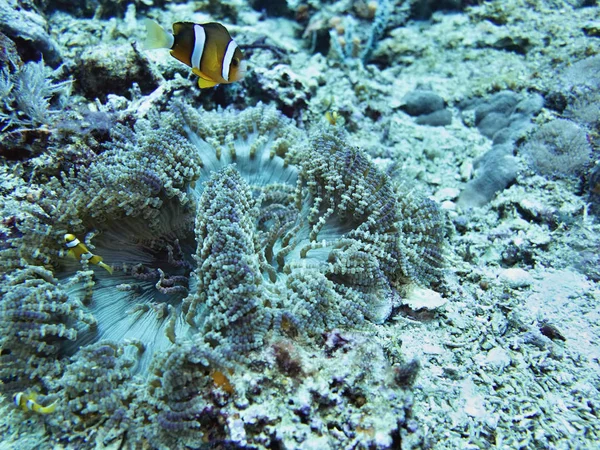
(207, 48)
(27, 402)
(79, 251)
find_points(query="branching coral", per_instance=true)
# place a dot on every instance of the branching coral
(349, 46)
(222, 230)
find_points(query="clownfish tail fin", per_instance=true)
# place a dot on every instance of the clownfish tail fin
(106, 267)
(46, 409)
(156, 36)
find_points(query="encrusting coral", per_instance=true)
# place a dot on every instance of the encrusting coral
(223, 231)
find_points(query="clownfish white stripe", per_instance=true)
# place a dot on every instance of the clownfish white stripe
(17, 398)
(231, 46)
(199, 41)
(87, 256)
(73, 243)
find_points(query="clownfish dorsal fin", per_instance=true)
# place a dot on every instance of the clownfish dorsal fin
(156, 36)
(203, 84)
(178, 27)
(218, 31)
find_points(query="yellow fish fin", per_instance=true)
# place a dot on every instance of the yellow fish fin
(32, 405)
(106, 267)
(156, 36)
(203, 84)
(200, 74)
(46, 409)
(204, 81)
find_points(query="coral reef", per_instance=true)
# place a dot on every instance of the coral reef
(348, 45)
(423, 9)
(504, 118)
(263, 289)
(31, 101)
(282, 86)
(349, 32)
(578, 90)
(112, 70)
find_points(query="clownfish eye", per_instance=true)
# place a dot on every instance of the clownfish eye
(235, 62)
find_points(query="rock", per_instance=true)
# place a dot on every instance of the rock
(109, 69)
(436, 119)
(28, 29)
(421, 298)
(427, 107)
(515, 277)
(419, 102)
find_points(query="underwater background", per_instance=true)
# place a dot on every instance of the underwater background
(384, 236)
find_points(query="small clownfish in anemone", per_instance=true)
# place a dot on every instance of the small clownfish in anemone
(27, 403)
(332, 117)
(207, 48)
(78, 250)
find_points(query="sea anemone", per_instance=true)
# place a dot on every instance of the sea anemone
(222, 230)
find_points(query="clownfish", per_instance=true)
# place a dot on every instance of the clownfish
(207, 48)
(27, 403)
(81, 252)
(332, 117)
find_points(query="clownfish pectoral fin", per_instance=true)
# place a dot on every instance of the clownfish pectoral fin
(203, 83)
(106, 267)
(157, 36)
(203, 80)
